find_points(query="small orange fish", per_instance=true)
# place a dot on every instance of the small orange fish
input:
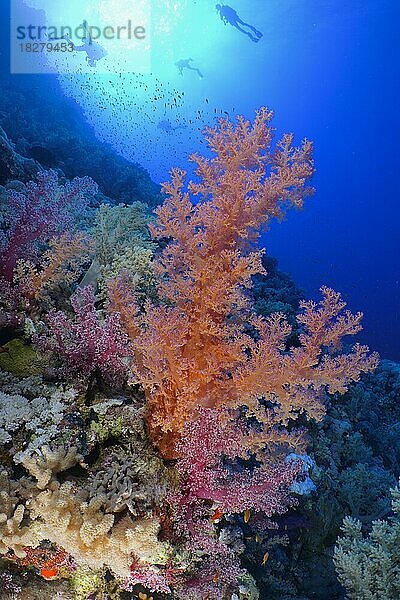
(246, 515)
(265, 559)
(49, 573)
(216, 517)
(216, 577)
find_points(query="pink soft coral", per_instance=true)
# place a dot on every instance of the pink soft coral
(213, 450)
(149, 576)
(216, 576)
(88, 343)
(34, 216)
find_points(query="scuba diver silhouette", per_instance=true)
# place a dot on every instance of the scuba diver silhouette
(94, 52)
(185, 64)
(167, 126)
(229, 15)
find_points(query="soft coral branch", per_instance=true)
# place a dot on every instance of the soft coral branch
(296, 381)
(62, 264)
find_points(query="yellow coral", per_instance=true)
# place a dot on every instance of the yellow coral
(13, 536)
(46, 462)
(89, 534)
(65, 516)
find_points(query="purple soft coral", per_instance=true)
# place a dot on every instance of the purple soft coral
(42, 211)
(89, 342)
(216, 576)
(148, 576)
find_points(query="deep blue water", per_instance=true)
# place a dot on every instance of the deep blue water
(330, 71)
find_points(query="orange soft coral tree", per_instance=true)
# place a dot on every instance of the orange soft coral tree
(193, 349)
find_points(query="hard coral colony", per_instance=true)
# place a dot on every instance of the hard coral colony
(194, 395)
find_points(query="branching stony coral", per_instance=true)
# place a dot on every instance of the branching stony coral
(32, 385)
(372, 407)
(364, 490)
(369, 567)
(36, 415)
(275, 291)
(349, 479)
(36, 420)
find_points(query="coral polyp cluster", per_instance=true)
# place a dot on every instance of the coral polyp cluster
(169, 419)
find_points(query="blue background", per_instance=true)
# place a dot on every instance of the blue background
(330, 71)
